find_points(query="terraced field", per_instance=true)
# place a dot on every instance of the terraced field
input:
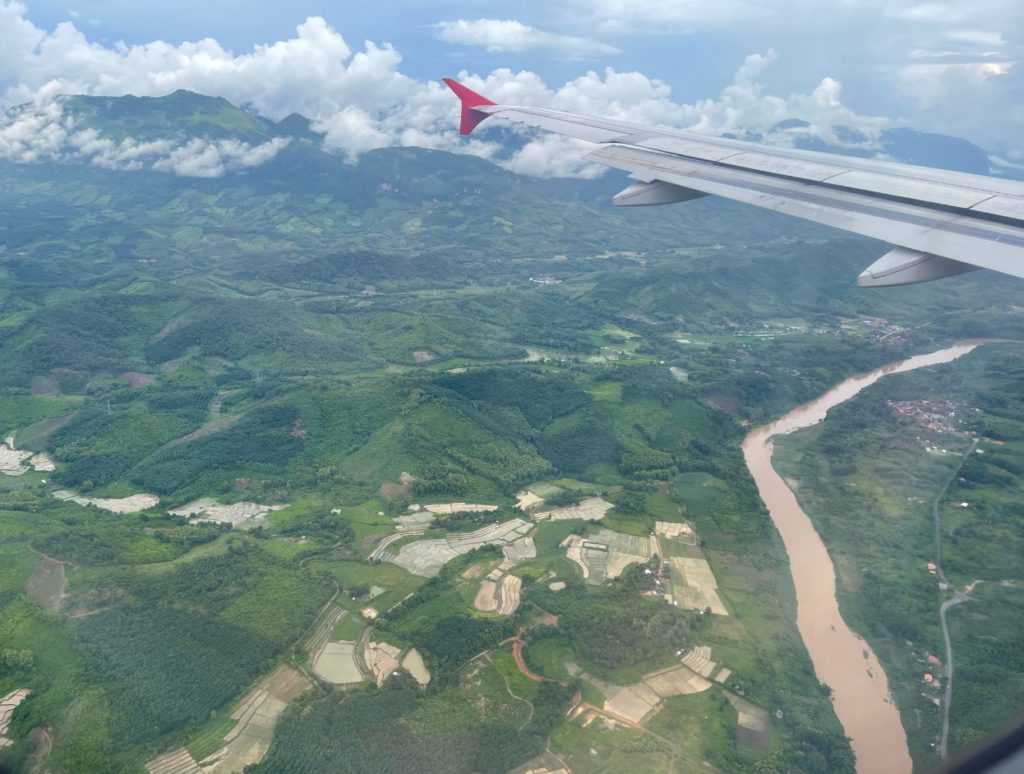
(427, 557)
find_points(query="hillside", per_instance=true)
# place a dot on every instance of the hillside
(306, 355)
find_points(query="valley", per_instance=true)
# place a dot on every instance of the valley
(309, 472)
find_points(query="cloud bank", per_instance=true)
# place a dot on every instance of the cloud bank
(42, 131)
(510, 35)
(359, 100)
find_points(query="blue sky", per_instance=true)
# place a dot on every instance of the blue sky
(695, 59)
(940, 65)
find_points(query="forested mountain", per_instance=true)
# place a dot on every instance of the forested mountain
(344, 341)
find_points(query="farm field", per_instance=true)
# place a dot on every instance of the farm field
(256, 717)
(694, 585)
(427, 557)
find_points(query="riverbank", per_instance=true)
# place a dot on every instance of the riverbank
(842, 660)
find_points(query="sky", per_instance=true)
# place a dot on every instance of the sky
(368, 73)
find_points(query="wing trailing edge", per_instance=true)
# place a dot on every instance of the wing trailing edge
(940, 222)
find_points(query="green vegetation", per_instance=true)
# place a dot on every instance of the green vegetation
(475, 725)
(715, 741)
(615, 634)
(869, 478)
(349, 628)
(261, 337)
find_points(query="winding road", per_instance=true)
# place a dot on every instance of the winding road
(842, 660)
(957, 598)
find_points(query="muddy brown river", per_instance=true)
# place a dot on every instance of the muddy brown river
(842, 660)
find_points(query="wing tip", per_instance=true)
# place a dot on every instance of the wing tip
(470, 99)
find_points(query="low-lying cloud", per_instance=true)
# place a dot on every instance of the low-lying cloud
(42, 131)
(358, 100)
(511, 35)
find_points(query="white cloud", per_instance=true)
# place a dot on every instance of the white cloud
(361, 100)
(352, 131)
(989, 38)
(308, 73)
(660, 16)
(33, 133)
(1005, 164)
(741, 108)
(930, 85)
(203, 158)
(552, 155)
(42, 131)
(511, 35)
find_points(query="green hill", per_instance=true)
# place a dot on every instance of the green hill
(350, 340)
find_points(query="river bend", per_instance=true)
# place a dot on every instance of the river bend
(842, 660)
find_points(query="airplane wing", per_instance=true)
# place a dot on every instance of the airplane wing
(939, 222)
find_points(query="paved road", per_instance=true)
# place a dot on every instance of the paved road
(957, 598)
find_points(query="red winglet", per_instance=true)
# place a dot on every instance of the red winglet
(470, 99)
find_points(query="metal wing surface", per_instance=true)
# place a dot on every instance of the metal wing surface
(940, 222)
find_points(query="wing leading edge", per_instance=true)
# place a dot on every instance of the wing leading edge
(940, 222)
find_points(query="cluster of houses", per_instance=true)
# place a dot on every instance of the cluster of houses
(940, 416)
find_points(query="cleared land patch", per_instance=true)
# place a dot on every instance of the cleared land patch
(694, 586)
(207, 510)
(175, 762)
(137, 378)
(12, 460)
(447, 509)
(42, 462)
(487, 597)
(426, 557)
(676, 681)
(525, 500)
(382, 659)
(256, 716)
(45, 586)
(754, 729)
(608, 553)
(410, 524)
(634, 704)
(675, 531)
(413, 664)
(131, 504)
(588, 509)
(8, 704)
(35, 435)
(335, 662)
(499, 593)
(518, 551)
